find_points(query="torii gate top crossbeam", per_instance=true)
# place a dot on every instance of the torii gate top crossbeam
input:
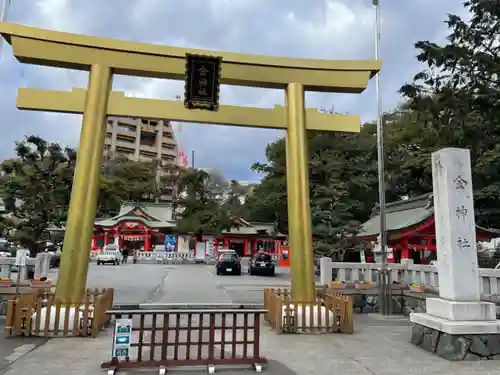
(65, 50)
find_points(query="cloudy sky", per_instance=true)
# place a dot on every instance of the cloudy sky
(332, 29)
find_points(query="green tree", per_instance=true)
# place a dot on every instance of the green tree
(128, 180)
(199, 210)
(343, 187)
(37, 186)
(5, 226)
(234, 203)
(454, 103)
(267, 200)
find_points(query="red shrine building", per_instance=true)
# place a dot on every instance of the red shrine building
(140, 226)
(144, 225)
(246, 238)
(410, 231)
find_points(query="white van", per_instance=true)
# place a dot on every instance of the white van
(109, 254)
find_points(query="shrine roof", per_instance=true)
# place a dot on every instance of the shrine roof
(244, 227)
(405, 214)
(152, 215)
(399, 215)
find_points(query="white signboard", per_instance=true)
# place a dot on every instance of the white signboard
(21, 256)
(210, 248)
(200, 251)
(122, 338)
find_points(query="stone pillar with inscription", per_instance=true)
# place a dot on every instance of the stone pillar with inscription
(457, 325)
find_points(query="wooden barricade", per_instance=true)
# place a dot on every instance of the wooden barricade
(191, 337)
(41, 314)
(326, 314)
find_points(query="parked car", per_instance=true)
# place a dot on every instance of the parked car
(225, 251)
(110, 254)
(228, 263)
(55, 259)
(262, 264)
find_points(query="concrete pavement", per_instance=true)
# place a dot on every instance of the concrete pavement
(15, 348)
(133, 283)
(201, 284)
(380, 345)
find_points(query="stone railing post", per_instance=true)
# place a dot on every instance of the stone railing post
(325, 270)
(5, 271)
(42, 265)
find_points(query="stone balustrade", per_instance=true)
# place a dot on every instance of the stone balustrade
(408, 274)
(157, 257)
(41, 265)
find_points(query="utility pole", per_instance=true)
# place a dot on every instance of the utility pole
(385, 298)
(192, 159)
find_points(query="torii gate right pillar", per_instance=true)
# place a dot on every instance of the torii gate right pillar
(299, 212)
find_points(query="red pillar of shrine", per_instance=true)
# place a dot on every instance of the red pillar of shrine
(106, 239)
(405, 251)
(94, 242)
(245, 248)
(147, 242)
(277, 245)
(226, 242)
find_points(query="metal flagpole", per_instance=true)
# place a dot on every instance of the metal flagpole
(3, 17)
(384, 285)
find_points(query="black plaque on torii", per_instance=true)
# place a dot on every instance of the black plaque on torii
(202, 83)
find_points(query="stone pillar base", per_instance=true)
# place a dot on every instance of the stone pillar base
(456, 341)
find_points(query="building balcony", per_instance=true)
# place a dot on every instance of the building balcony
(168, 135)
(149, 129)
(129, 134)
(168, 151)
(148, 148)
(122, 121)
(125, 145)
(166, 142)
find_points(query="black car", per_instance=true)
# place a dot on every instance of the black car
(228, 263)
(261, 264)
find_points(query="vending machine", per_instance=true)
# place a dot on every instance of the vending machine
(284, 256)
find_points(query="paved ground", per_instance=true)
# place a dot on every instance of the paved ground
(12, 349)
(200, 284)
(133, 283)
(379, 346)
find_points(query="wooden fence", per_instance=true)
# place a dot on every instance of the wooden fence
(191, 337)
(41, 314)
(326, 314)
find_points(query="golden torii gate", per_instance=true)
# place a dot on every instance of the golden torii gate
(103, 58)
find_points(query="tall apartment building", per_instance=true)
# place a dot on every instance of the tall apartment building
(141, 140)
